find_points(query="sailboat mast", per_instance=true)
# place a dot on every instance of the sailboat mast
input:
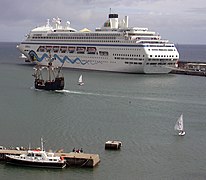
(182, 121)
(42, 144)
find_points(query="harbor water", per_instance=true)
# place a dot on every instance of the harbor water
(139, 110)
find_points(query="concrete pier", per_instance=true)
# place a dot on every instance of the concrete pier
(80, 159)
(72, 158)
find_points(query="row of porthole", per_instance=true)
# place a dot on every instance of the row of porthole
(164, 56)
(129, 55)
(133, 63)
(123, 58)
(170, 63)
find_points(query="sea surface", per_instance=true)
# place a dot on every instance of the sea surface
(139, 110)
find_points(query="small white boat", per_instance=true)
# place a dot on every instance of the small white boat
(80, 81)
(179, 126)
(23, 56)
(37, 158)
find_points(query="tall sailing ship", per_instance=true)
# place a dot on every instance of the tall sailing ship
(113, 47)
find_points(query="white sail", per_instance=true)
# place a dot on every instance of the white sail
(80, 82)
(179, 124)
(80, 79)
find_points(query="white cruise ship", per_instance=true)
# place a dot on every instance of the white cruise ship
(113, 47)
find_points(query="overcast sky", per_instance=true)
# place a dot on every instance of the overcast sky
(180, 21)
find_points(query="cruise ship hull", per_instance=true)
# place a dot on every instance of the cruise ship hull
(95, 61)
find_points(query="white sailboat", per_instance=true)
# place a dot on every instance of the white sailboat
(179, 126)
(80, 82)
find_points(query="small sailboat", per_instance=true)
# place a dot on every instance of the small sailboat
(80, 82)
(179, 126)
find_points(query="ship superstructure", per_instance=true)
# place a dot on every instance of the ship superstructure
(113, 47)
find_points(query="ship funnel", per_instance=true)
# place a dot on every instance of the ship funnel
(113, 18)
(126, 21)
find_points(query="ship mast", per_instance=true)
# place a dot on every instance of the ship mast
(42, 144)
(49, 67)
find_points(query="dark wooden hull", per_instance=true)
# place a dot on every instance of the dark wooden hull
(57, 84)
(38, 164)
